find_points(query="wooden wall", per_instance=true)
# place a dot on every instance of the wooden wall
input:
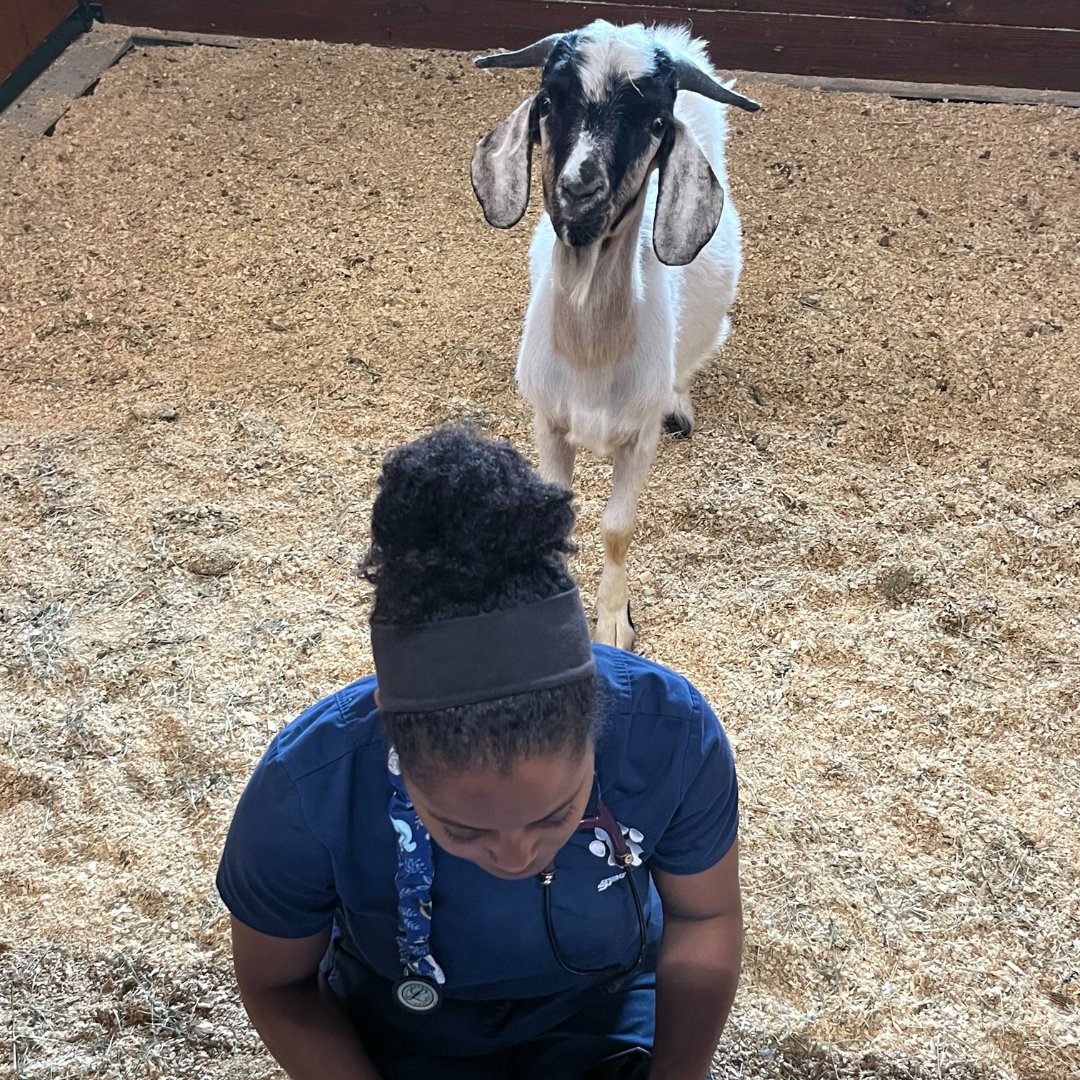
(24, 25)
(1018, 43)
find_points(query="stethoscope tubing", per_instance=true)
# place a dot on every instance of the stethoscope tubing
(610, 971)
(602, 818)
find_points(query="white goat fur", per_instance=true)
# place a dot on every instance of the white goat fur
(613, 338)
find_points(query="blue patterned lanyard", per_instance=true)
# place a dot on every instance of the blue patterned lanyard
(415, 873)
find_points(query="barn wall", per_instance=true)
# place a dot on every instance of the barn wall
(24, 25)
(1033, 44)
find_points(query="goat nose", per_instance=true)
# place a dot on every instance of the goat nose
(581, 188)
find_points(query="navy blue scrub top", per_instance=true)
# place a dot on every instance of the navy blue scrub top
(311, 845)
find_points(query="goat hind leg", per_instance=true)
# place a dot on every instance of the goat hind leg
(680, 420)
(632, 463)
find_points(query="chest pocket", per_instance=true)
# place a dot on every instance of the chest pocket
(489, 931)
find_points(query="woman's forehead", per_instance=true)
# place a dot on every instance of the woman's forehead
(533, 789)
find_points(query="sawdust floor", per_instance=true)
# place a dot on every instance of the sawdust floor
(231, 280)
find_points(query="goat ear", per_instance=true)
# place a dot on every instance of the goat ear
(500, 168)
(689, 203)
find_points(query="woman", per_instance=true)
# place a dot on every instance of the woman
(509, 854)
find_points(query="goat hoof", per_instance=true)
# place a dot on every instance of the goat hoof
(617, 630)
(678, 425)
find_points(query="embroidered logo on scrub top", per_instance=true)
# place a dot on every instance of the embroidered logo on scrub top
(609, 881)
(601, 848)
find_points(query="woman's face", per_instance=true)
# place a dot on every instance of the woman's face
(509, 824)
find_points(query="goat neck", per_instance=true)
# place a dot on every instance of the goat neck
(594, 312)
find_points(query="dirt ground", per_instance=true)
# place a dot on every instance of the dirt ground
(230, 280)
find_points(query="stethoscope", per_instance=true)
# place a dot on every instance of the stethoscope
(601, 819)
(420, 992)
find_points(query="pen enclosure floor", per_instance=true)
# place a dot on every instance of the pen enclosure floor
(232, 279)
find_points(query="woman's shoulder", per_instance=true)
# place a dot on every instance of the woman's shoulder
(665, 764)
(330, 732)
(655, 720)
(631, 684)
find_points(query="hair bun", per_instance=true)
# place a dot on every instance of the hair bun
(456, 505)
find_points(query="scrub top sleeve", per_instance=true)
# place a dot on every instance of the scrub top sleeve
(275, 876)
(706, 822)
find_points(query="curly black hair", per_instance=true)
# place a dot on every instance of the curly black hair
(463, 525)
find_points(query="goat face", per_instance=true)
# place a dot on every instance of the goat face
(603, 118)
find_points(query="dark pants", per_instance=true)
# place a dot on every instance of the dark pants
(606, 1024)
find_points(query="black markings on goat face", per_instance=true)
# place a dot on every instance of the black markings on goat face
(603, 121)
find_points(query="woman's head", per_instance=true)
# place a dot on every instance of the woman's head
(463, 527)
(509, 822)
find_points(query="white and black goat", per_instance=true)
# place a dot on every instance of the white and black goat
(635, 264)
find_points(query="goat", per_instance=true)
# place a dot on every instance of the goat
(615, 327)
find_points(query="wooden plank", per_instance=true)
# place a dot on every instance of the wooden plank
(24, 25)
(819, 45)
(50, 95)
(145, 35)
(34, 112)
(994, 95)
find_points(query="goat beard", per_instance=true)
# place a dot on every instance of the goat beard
(580, 243)
(581, 264)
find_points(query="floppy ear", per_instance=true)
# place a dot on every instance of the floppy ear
(500, 168)
(689, 204)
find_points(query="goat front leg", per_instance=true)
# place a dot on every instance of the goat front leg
(632, 464)
(555, 453)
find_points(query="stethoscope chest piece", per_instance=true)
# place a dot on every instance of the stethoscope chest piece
(417, 994)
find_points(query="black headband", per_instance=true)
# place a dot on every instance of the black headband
(426, 666)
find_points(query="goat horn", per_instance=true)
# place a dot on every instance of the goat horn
(534, 55)
(692, 78)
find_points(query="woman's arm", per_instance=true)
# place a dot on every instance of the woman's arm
(698, 968)
(299, 1017)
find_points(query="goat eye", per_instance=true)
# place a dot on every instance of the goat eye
(658, 126)
(544, 104)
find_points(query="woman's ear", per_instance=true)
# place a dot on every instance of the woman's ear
(501, 167)
(689, 204)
